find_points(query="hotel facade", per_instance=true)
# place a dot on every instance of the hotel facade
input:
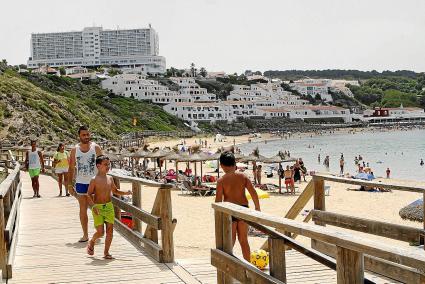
(94, 46)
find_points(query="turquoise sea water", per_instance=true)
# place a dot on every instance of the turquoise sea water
(401, 151)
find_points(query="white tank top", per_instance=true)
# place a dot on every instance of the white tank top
(33, 160)
(85, 164)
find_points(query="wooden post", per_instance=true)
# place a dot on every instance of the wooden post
(150, 232)
(277, 259)
(137, 201)
(423, 237)
(349, 266)
(319, 202)
(3, 248)
(227, 242)
(166, 213)
(218, 217)
(117, 210)
(319, 196)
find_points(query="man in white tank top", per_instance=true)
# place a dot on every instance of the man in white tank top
(83, 164)
(34, 164)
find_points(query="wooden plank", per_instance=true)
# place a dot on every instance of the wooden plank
(319, 196)
(136, 239)
(327, 177)
(150, 232)
(3, 248)
(12, 249)
(117, 210)
(166, 213)
(298, 206)
(405, 256)
(227, 243)
(384, 229)
(301, 201)
(137, 202)
(277, 259)
(389, 269)
(141, 181)
(349, 266)
(138, 213)
(313, 254)
(12, 216)
(306, 220)
(241, 271)
(218, 218)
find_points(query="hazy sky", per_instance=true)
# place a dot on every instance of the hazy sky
(232, 36)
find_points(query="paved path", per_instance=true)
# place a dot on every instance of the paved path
(48, 251)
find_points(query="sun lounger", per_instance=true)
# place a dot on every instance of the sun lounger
(196, 190)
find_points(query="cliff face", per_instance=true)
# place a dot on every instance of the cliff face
(51, 109)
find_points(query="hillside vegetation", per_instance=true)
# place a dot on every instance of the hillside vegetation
(52, 108)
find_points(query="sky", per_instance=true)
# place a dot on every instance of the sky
(239, 35)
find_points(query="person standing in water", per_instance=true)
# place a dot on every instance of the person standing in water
(83, 163)
(34, 163)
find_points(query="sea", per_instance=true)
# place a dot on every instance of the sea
(399, 150)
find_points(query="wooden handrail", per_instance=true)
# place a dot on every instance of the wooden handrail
(360, 182)
(159, 219)
(379, 228)
(10, 198)
(404, 256)
(141, 181)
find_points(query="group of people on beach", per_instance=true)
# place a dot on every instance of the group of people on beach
(93, 187)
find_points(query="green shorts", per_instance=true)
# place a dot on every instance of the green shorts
(106, 214)
(34, 172)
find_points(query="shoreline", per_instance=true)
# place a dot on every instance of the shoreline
(267, 137)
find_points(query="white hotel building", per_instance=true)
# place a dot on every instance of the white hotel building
(313, 87)
(94, 46)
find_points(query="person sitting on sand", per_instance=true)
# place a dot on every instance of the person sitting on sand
(101, 187)
(231, 188)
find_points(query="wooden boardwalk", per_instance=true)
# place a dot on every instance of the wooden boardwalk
(299, 269)
(48, 251)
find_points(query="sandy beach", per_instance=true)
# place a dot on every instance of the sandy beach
(194, 234)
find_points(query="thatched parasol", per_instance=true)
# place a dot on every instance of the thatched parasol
(414, 211)
(253, 158)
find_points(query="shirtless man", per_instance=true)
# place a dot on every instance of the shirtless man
(99, 197)
(289, 180)
(231, 188)
(83, 162)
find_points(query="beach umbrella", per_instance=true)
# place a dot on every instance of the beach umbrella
(253, 158)
(273, 160)
(261, 194)
(414, 211)
(158, 154)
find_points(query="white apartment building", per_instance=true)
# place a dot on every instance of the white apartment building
(94, 46)
(138, 87)
(313, 87)
(308, 112)
(189, 87)
(201, 111)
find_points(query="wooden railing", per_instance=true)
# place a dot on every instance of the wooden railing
(407, 234)
(350, 249)
(158, 220)
(10, 199)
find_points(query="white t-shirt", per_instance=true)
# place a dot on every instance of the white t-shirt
(33, 160)
(85, 164)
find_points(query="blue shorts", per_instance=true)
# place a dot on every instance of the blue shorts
(81, 188)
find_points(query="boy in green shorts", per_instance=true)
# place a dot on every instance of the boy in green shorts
(99, 198)
(34, 163)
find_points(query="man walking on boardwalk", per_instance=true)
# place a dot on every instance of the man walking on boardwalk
(83, 163)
